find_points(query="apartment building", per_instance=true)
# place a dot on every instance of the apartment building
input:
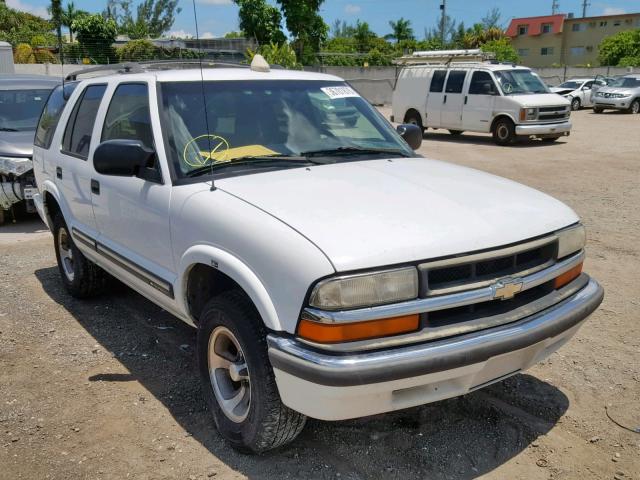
(563, 39)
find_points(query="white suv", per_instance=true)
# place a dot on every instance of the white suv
(330, 271)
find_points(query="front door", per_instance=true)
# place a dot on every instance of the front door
(453, 100)
(478, 103)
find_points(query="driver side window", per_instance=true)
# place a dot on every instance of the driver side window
(128, 117)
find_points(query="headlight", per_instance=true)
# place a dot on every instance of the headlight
(571, 240)
(619, 95)
(528, 114)
(15, 165)
(366, 290)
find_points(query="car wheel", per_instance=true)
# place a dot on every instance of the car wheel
(237, 378)
(575, 104)
(635, 106)
(597, 110)
(455, 133)
(1, 216)
(413, 118)
(81, 277)
(504, 132)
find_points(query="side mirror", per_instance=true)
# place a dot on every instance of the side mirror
(412, 134)
(123, 158)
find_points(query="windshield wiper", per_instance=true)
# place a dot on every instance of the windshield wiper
(5, 129)
(252, 160)
(355, 151)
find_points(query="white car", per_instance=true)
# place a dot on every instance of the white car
(578, 91)
(510, 102)
(330, 271)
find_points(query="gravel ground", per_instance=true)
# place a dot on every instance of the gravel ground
(106, 388)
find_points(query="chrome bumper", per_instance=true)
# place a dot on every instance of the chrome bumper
(563, 128)
(613, 103)
(299, 360)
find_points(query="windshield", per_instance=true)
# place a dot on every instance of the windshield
(571, 85)
(519, 82)
(293, 120)
(625, 82)
(20, 109)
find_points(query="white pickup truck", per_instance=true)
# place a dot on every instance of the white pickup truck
(330, 271)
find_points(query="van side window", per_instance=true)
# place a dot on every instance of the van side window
(128, 117)
(51, 115)
(437, 81)
(482, 84)
(77, 134)
(455, 81)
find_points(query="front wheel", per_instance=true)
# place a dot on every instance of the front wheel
(504, 132)
(237, 378)
(455, 133)
(575, 104)
(598, 110)
(635, 106)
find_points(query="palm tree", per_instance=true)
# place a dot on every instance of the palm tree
(69, 14)
(401, 30)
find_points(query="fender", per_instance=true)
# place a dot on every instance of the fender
(48, 186)
(235, 269)
(501, 114)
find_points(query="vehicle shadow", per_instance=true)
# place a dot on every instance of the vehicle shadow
(483, 139)
(459, 438)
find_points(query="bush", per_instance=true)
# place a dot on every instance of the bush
(282, 55)
(24, 54)
(503, 49)
(96, 36)
(137, 50)
(621, 46)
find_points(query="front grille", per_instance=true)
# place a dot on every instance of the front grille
(460, 274)
(553, 116)
(560, 108)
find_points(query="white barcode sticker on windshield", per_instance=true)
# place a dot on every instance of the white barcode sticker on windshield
(339, 92)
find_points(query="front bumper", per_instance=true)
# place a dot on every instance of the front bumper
(546, 129)
(335, 387)
(613, 103)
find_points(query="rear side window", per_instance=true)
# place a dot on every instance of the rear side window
(455, 81)
(128, 116)
(51, 114)
(77, 134)
(437, 81)
(482, 84)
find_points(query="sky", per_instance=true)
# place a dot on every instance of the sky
(217, 17)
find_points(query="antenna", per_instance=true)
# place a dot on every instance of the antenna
(585, 4)
(554, 7)
(204, 98)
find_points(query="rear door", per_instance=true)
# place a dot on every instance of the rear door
(453, 100)
(435, 98)
(478, 103)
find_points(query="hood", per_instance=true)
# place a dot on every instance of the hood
(541, 100)
(17, 144)
(625, 91)
(562, 91)
(385, 212)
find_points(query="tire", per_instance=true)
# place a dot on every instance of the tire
(260, 421)
(81, 277)
(504, 132)
(635, 106)
(575, 104)
(598, 110)
(455, 133)
(1, 216)
(413, 118)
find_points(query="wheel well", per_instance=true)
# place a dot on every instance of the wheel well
(203, 283)
(51, 207)
(412, 111)
(500, 117)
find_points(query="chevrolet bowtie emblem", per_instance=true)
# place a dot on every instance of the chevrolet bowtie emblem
(506, 288)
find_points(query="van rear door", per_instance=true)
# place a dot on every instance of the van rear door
(478, 103)
(435, 98)
(453, 100)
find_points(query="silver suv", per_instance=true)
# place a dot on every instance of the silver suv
(620, 94)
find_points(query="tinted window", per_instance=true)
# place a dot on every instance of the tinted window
(437, 82)
(77, 134)
(455, 81)
(51, 114)
(128, 116)
(482, 84)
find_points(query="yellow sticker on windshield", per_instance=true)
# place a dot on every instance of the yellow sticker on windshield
(202, 150)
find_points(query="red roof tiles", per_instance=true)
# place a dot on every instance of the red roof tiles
(535, 24)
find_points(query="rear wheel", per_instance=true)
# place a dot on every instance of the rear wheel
(237, 378)
(504, 132)
(81, 277)
(413, 118)
(598, 110)
(455, 133)
(575, 104)
(635, 106)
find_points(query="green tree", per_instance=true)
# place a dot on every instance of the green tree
(492, 19)
(503, 49)
(20, 27)
(401, 30)
(152, 17)
(341, 29)
(69, 14)
(137, 50)
(363, 36)
(56, 18)
(621, 49)
(96, 35)
(261, 21)
(232, 35)
(277, 54)
(306, 26)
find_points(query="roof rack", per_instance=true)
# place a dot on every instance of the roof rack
(154, 65)
(439, 57)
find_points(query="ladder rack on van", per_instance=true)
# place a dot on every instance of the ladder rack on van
(445, 57)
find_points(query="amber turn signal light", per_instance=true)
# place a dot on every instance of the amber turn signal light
(349, 332)
(568, 276)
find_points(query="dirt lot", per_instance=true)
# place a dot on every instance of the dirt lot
(106, 388)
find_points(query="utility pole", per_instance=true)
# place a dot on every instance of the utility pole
(443, 20)
(554, 7)
(585, 4)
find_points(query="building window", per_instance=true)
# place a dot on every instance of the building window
(579, 27)
(523, 29)
(546, 51)
(603, 23)
(577, 51)
(523, 52)
(546, 27)
(617, 23)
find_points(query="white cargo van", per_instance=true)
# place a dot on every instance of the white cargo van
(505, 100)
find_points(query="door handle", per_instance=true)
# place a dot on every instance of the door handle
(445, 99)
(95, 187)
(465, 99)
(59, 172)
